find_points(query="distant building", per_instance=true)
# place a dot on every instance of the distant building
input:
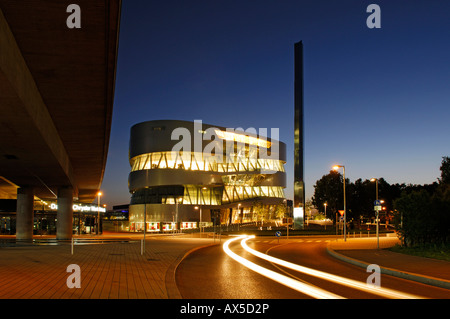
(182, 172)
(85, 217)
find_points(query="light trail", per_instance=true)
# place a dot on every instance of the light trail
(384, 292)
(287, 281)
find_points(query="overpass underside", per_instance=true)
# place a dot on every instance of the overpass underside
(56, 100)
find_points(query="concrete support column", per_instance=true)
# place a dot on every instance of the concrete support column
(64, 215)
(25, 213)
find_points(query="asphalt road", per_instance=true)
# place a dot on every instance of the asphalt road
(209, 273)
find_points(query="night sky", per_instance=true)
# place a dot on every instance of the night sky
(375, 100)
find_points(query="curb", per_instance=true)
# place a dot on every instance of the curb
(441, 283)
(170, 280)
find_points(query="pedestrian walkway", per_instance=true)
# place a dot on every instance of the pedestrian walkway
(115, 269)
(363, 252)
(112, 270)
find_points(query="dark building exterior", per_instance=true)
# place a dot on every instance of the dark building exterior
(56, 103)
(183, 172)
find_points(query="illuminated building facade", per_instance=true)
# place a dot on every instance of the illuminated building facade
(182, 172)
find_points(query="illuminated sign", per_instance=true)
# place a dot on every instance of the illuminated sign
(82, 208)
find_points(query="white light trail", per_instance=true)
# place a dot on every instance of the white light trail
(384, 292)
(287, 281)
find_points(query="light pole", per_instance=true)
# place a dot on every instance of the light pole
(336, 167)
(325, 204)
(98, 212)
(145, 223)
(200, 222)
(376, 209)
(178, 201)
(287, 217)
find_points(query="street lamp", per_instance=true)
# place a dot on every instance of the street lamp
(336, 167)
(376, 209)
(325, 204)
(98, 212)
(179, 200)
(199, 224)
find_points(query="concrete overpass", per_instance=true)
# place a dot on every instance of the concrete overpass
(56, 102)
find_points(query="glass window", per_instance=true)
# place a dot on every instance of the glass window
(196, 161)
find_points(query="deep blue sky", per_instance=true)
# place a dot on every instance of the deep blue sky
(375, 100)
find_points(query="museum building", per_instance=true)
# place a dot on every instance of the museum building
(185, 174)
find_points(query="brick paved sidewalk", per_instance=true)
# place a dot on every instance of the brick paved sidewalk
(114, 270)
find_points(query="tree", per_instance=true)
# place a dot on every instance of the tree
(422, 218)
(431, 203)
(411, 213)
(280, 211)
(260, 211)
(329, 189)
(361, 197)
(445, 171)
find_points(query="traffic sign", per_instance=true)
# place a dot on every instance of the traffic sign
(278, 234)
(377, 205)
(341, 212)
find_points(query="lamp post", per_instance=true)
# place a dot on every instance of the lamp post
(98, 212)
(376, 209)
(325, 204)
(200, 222)
(145, 223)
(202, 201)
(178, 201)
(336, 167)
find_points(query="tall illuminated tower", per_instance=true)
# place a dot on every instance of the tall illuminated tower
(299, 185)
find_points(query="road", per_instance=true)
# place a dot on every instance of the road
(210, 273)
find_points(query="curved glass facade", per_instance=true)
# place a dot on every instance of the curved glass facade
(196, 161)
(171, 184)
